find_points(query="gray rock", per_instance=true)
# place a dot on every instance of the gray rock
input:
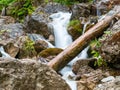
(80, 10)
(111, 85)
(28, 75)
(37, 23)
(11, 30)
(110, 78)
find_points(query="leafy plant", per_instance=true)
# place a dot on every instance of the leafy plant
(99, 61)
(22, 8)
(28, 45)
(71, 2)
(95, 43)
(107, 32)
(5, 3)
(66, 2)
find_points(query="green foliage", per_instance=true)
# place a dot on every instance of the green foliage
(99, 61)
(95, 43)
(23, 8)
(28, 45)
(76, 25)
(5, 3)
(66, 2)
(108, 32)
(74, 22)
(71, 2)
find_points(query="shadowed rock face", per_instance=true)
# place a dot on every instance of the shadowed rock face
(28, 75)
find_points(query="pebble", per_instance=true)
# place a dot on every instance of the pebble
(110, 78)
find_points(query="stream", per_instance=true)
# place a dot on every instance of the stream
(62, 40)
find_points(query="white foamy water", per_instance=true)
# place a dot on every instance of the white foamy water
(59, 23)
(62, 40)
(4, 54)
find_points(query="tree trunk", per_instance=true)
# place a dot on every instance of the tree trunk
(79, 44)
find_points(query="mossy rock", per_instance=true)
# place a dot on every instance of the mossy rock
(75, 29)
(50, 52)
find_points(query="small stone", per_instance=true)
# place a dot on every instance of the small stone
(110, 78)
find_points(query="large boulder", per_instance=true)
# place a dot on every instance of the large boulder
(110, 48)
(37, 23)
(80, 10)
(28, 75)
(11, 31)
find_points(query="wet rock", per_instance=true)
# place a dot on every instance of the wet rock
(37, 23)
(29, 75)
(81, 67)
(110, 48)
(80, 10)
(111, 85)
(50, 53)
(11, 49)
(51, 39)
(26, 48)
(40, 45)
(75, 29)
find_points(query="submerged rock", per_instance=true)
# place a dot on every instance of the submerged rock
(29, 75)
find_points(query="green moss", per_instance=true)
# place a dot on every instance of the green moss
(76, 25)
(28, 44)
(50, 52)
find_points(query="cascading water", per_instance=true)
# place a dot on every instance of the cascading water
(62, 40)
(60, 22)
(4, 54)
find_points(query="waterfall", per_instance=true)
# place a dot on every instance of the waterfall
(62, 40)
(4, 54)
(59, 23)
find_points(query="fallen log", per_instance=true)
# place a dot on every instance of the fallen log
(78, 45)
